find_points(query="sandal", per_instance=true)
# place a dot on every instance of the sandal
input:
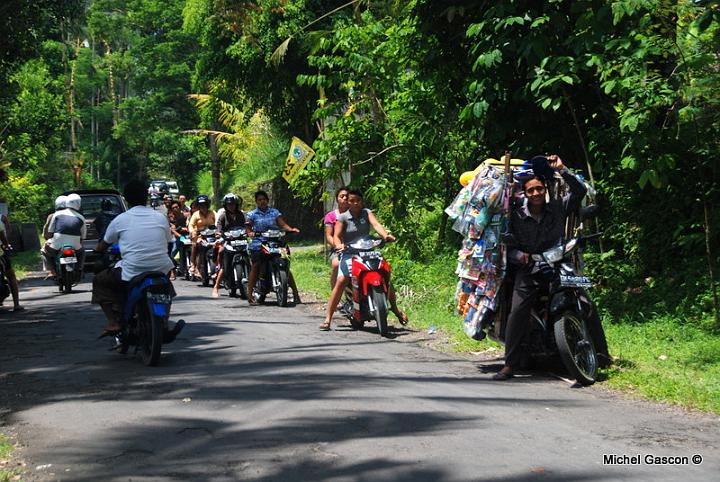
(504, 374)
(325, 326)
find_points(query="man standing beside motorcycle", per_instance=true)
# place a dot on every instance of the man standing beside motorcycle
(535, 227)
(261, 219)
(143, 235)
(200, 219)
(231, 218)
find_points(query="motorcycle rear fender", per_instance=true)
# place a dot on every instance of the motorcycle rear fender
(154, 283)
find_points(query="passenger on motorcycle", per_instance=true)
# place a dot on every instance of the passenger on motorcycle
(341, 196)
(45, 251)
(143, 235)
(200, 220)
(261, 219)
(231, 218)
(351, 225)
(536, 226)
(67, 228)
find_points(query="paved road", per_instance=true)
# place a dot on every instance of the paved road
(260, 394)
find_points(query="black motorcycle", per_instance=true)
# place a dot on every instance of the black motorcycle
(206, 254)
(68, 268)
(561, 313)
(274, 273)
(236, 262)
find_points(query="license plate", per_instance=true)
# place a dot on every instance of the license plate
(68, 260)
(370, 254)
(160, 298)
(187, 241)
(238, 243)
(273, 250)
(573, 281)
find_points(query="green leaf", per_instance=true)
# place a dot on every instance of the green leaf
(545, 103)
(567, 79)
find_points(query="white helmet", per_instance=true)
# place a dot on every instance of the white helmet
(60, 202)
(73, 201)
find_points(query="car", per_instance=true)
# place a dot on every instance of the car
(173, 189)
(90, 208)
(166, 187)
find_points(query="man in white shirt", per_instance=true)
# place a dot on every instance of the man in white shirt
(143, 235)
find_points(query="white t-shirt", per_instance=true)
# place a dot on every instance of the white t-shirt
(143, 235)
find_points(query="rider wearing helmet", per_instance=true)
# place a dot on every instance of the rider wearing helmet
(104, 217)
(67, 228)
(200, 220)
(46, 251)
(229, 218)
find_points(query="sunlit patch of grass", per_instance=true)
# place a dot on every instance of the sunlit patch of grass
(6, 449)
(26, 261)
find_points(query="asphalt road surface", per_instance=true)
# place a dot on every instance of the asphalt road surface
(260, 394)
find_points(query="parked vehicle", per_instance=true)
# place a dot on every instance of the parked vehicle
(206, 254)
(370, 281)
(561, 313)
(236, 262)
(68, 268)
(274, 274)
(146, 315)
(90, 209)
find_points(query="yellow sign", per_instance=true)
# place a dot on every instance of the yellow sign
(298, 157)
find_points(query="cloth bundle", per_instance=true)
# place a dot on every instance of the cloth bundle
(477, 211)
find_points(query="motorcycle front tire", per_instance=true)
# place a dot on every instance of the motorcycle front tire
(379, 298)
(206, 268)
(240, 285)
(281, 290)
(576, 348)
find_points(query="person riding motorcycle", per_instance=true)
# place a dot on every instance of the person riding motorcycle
(354, 224)
(264, 218)
(104, 217)
(229, 218)
(46, 251)
(67, 228)
(143, 235)
(200, 220)
(535, 227)
(329, 221)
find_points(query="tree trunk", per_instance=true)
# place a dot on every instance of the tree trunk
(711, 264)
(215, 159)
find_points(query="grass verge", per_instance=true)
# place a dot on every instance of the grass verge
(660, 359)
(6, 449)
(26, 261)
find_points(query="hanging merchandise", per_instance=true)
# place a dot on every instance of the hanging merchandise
(480, 212)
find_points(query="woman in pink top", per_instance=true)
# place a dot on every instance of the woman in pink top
(341, 196)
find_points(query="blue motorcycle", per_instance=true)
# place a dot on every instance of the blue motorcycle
(146, 315)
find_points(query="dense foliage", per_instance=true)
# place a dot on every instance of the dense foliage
(403, 96)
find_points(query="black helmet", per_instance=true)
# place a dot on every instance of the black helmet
(203, 199)
(106, 205)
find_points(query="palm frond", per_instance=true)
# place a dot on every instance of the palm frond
(279, 54)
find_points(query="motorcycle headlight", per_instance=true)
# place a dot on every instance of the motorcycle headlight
(364, 244)
(554, 255)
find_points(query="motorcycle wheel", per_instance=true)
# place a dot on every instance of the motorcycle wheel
(379, 299)
(281, 289)
(67, 280)
(239, 273)
(186, 264)
(576, 348)
(150, 328)
(206, 270)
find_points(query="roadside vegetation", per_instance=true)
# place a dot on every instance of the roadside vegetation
(6, 450)
(25, 262)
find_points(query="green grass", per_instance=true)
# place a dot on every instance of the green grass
(6, 448)
(660, 359)
(26, 261)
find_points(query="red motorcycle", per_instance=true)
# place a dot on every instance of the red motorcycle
(367, 297)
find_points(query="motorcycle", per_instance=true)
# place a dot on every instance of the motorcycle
(185, 249)
(560, 314)
(274, 273)
(146, 312)
(370, 281)
(236, 262)
(206, 254)
(68, 269)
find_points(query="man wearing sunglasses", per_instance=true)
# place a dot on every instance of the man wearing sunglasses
(536, 226)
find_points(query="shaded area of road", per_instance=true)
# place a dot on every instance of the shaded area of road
(260, 394)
